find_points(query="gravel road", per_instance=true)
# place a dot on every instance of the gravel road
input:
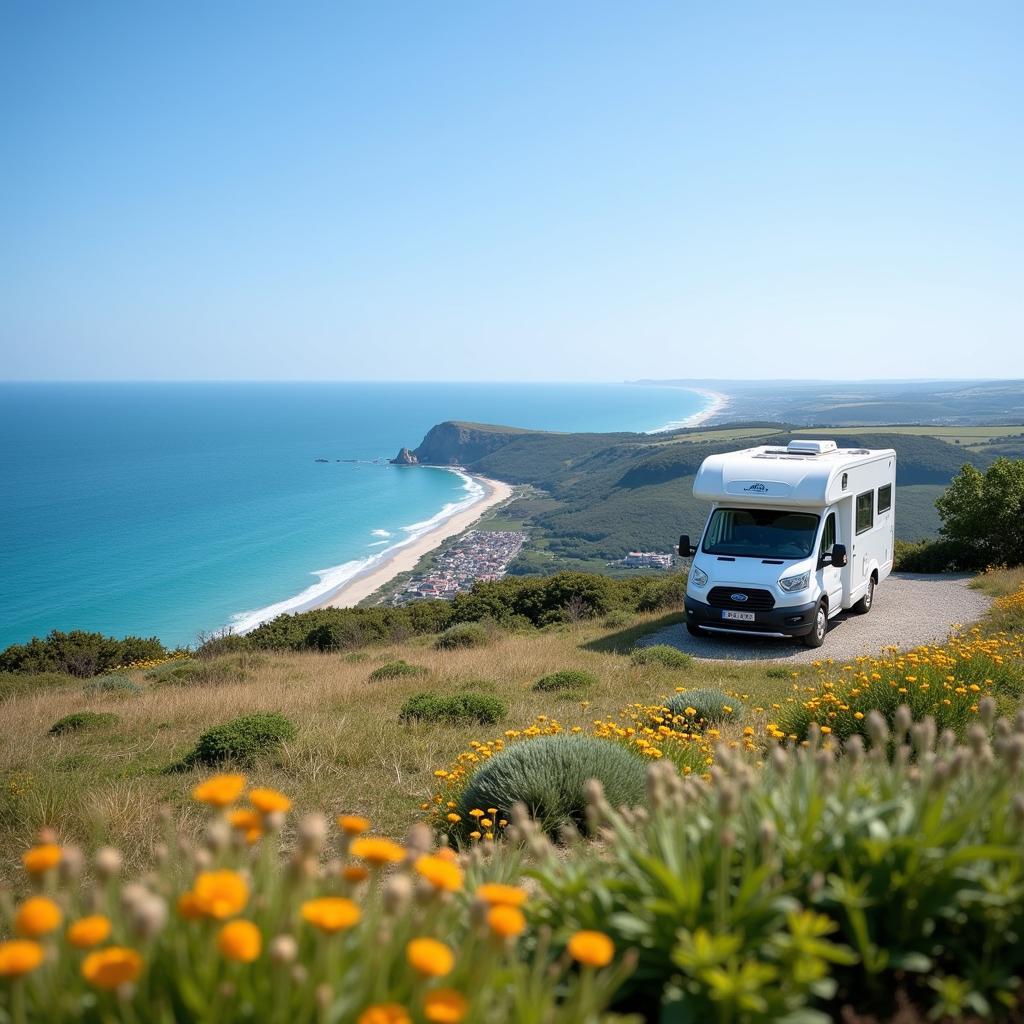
(908, 610)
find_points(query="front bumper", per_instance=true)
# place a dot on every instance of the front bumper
(790, 620)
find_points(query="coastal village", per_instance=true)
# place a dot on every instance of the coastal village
(479, 555)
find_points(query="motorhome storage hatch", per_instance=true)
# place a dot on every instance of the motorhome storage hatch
(795, 535)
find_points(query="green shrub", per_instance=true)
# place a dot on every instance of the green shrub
(617, 619)
(927, 556)
(82, 720)
(17, 684)
(213, 645)
(461, 636)
(712, 706)
(549, 775)
(396, 670)
(566, 679)
(776, 672)
(663, 655)
(79, 653)
(453, 707)
(231, 668)
(242, 739)
(115, 685)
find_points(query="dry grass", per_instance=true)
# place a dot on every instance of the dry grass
(351, 752)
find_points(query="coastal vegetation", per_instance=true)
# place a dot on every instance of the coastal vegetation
(804, 802)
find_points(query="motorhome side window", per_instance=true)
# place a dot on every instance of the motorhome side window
(884, 498)
(828, 534)
(865, 511)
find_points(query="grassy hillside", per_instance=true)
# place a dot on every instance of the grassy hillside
(596, 496)
(120, 754)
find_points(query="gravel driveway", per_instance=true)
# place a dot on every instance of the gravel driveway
(908, 610)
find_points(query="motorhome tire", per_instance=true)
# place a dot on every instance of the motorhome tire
(694, 630)
(863, 606)
(816, 637)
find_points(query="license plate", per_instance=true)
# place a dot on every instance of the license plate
(728, 613)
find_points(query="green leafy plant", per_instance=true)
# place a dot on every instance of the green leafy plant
(453, 707)
(80, 720)
(663, 655)
(566, 679)
(616, 619)
(396, 670)
(705, 705)
(115, 685)
(549, 776)
(242, 739)
(787, 892)
(462, 636)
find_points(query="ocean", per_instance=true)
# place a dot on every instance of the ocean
(172, 508)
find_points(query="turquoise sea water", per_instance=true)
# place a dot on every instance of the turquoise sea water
(168, 509)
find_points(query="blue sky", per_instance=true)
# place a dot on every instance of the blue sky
(511, 190)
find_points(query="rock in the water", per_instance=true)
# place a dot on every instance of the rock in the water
(404, 458)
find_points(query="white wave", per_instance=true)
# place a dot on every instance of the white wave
(327, 581)
(376, 543)
(380, 533)
(716, 402)
(332, 579)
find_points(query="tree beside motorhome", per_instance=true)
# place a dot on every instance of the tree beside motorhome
(983, 514)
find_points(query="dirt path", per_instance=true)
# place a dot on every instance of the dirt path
(908, 610)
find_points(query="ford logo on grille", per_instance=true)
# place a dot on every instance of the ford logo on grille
(738, 597)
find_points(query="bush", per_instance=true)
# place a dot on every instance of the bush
(461, 636)
(927, 556)
(396, 670)
(242, 739)
(663, 655)
(549, 775)
(116, 685)
(213, 645)
(453, 707)
(617, 619)
(82, 720)
(232, 668)
(711, 706)
(79, 653)
(566, 679)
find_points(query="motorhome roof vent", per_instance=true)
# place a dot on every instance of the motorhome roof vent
(809, 447)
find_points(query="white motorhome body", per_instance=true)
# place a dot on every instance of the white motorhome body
(795, 535)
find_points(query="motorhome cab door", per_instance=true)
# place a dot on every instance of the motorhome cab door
(830, 577)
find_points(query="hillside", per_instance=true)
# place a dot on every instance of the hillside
(596, 496)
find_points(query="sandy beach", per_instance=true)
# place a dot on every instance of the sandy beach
(405, 558)
(717, 402)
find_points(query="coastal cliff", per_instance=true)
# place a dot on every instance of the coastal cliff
(458, 444)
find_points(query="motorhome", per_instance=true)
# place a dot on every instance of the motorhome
(795, 536)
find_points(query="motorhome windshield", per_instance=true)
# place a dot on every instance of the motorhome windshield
(760, 533)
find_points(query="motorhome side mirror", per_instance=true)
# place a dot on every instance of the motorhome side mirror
(839, 555)
(684, 546)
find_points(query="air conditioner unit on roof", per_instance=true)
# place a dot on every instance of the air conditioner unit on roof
(808, 447)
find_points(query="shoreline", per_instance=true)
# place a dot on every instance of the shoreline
(717, 403)
(405, 557)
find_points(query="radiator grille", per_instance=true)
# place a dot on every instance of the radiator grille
(756, 600)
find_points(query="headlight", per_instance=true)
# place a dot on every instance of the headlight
(698, 577)
(793, 583)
